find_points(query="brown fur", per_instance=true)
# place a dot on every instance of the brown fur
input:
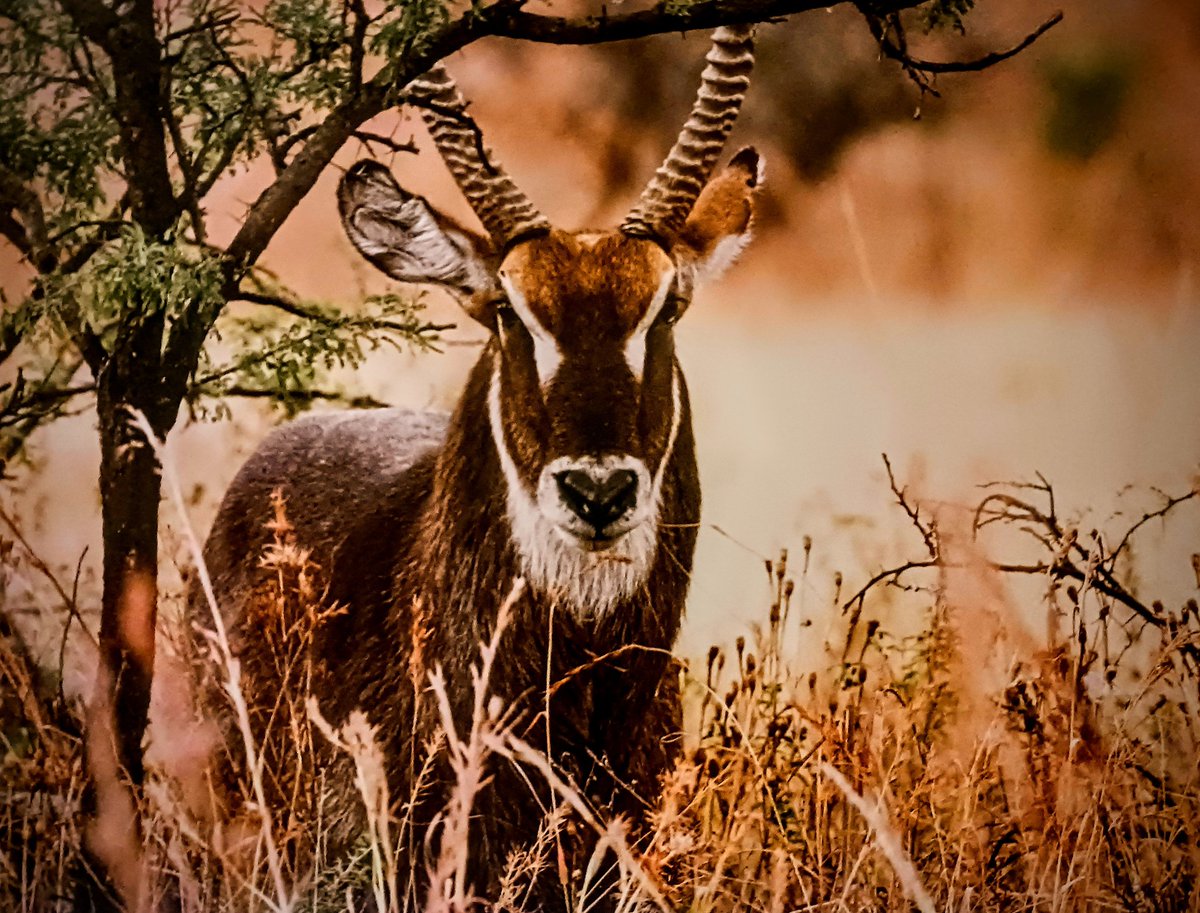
(724, 208)
(582, 284)
(409, 518)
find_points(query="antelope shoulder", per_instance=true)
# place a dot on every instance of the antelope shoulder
(333, 470)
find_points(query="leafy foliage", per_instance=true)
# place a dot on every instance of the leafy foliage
(407, 31)
(284, 361)
(238, 84)
(942, 14)
(40, 391)
(135, 276)
(55, 126)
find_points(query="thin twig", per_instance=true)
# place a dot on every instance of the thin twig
(901, 55)
(928, 533)
(67, 600)
(367, 137)
(359, 401)
(1171, 503)
(462, 118)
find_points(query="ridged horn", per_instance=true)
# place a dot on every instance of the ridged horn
(504, 210)
(670, 195)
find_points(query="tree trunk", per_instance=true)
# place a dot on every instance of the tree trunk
(130, 488)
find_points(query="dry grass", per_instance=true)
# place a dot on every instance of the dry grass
(937, 756)
(866, 786)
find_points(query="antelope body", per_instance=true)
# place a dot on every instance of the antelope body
(569, 462)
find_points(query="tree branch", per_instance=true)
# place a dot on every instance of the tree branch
(276, 203)
(209, 24)
(15, 232)
(928, 531)
(367, 137)
(462, 118)
(298, 310)
(900, 54)
(29, 236)
(357, 40)
(95, 19)
(1070, 559)
(280, 303)
(16, 196)
(1170, 503)
(659, 19)
(361, 401)
(501, 19)
(129, 40)
(1059, 570)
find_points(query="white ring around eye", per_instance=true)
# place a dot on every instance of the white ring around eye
(546, 353)
(635, 345)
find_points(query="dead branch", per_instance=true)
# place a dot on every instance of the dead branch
(1090, 564)
(928, 531)
(1170, 504)
(29, 233)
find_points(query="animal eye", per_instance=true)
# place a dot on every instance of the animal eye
(504, 309)
(508, 321)
(672, 308)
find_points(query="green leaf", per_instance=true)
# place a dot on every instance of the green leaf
(282, 358)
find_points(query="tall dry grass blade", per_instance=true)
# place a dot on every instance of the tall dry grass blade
(283, 901)
(358, 739)
(886, 840)
(448, 887)
(514, 749)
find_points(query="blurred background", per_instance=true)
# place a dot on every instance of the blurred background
(985, 285)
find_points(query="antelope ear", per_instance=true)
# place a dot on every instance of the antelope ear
(411, 241)
(718, 228)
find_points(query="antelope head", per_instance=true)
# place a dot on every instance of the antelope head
(586, 400)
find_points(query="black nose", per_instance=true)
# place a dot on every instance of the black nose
(598, 497)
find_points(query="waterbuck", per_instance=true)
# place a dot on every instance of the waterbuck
(569, 462)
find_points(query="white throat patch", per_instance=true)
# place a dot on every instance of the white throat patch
(586, 582)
